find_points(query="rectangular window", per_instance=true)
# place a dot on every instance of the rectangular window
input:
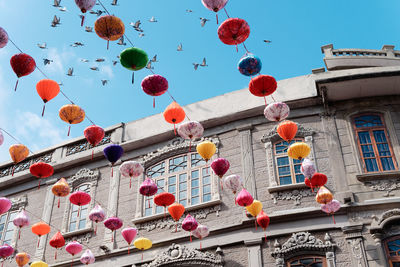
(79, 214)
(392, 247)
(288, 169)
(7, 227)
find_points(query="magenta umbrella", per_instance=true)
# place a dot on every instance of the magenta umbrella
(131, 169)
(5, 251)
(148, 188)
(215, 5)
(3, 37)
(5, 205)
(113, 223)
(129, 234)
(189, 224)
(73, 248)
(154, 85)
(97, 215)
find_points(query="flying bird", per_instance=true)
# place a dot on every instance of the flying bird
(154, 59)
(136, 26)
(189, 10)
(88, 29)
(63, 9)
(94, 68)
(99, 59)
(70, 71)
(84, 60)
(203, 64)
(98, 12)
(121, 41)
(56, 3)
(60, 84)
(104, 82)
(267, 41)
(114, 62)
(196, 65)
(153, 19)
(42, 46)
(55, 22)
(203, 21)
(76, 44)
(141, 34)
(47, 61)
(179, 47)
(114, 2)
(148, 66)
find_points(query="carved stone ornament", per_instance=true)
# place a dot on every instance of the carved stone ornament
(19, 203)
(386, 225)
(384, 185)
(303, 241)
(83, 176)
(295, 195)
(177, 255)
(388, 214)
(169, 223)
(273, 136)
(173, 148)
(83, 145)
(83, 238)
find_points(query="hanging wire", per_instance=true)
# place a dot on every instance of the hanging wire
(15, 139)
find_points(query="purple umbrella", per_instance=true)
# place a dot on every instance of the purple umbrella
(113, 153)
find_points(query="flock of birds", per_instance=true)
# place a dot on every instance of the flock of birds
(135, 25)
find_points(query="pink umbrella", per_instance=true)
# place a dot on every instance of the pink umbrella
(3, 37)
(244, 198)
(129, 234)
(85, 6)
(5, 205)
(87, 257)
(113, 223)
(331, 208)
(276, 111)
(5, 251)
(190, 130)
(131, 169)
(73, 248)
(201, 232)
(233, 182)
(308, 168)
(154, 85)
(97, 215)
(148, 188)
(1, 138)
(189, 224)
(20, 221)
(215, 5)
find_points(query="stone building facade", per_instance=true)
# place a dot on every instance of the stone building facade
(350, 116)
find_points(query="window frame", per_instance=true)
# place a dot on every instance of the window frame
(388, 257)
(324, 261)
(79, 210)
(6, 223)
(370, 130)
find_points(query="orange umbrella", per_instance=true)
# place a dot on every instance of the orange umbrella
(71, 114)
(109, 28)
(18, 153)
(40, 229)
(61, 189)
(174, 114)
(47, 90)
(176, 211)
(287, 130)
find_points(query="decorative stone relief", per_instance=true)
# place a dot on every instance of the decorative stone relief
(177, 255)
(83, 176)
(84, 145)
(273, 136)
(169, 223)
(24, 165)
(384, 185)
(19, 203)
(175, 147)
(83, 238)
(295, 195)
(355, 241)
(388, 214)
(362, 215)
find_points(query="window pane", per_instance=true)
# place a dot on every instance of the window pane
(197, 160)
(387, 164)
(82, 224)
(195, 200)
(195, 192)
(182, 186)
(371, 165)
(172, 189)
(156, 170)
(147, 212)
(368, 121)
(195, 183)
(207, 180)
(206, 171)
(159, 209)
(177, 164)
(74, 215)
(195, 174)
(368, 151)
(285, 180)
(299, 178)
(284, 171)
(160, 185)
(172, 180)
(83, 212)
(3, 218)
(183, 202)
(394, 246)
(182, 177)
(364, 137)
(72, 226)
(206, 189)
(182, 195)
(282, 161)
(206, 197)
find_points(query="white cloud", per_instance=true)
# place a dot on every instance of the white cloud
(60, 60)
(106, 70)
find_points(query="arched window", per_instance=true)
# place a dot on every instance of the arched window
(373, 142)
(287, 169)
(7, 227)
(79, 222)
(307, 261)
(392, 246)
(186, 176)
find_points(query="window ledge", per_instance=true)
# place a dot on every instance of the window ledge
(161, 215)
(365, 177)
(77, 232)
(273, 189)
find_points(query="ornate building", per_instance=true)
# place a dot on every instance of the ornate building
(349, 114)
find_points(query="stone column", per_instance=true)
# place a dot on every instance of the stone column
(112, 207)
(379, 248)
(254, 254)
(356, 245)
(139, 199)
(247, 159)
(46, 217)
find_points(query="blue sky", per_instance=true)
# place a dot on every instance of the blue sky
(297, 29)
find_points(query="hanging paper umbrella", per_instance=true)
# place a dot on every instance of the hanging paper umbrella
(39, 264)
(131, 169)
(176, 211)
(20, 221)
(298, 150)
(113, 153)
(189, 224)
(331, 208)
(263, 221)
(3, 37)
(94, 134)
(287, 130)
(22, 259)
(233, 182)
(18, 153)
(85, 6)
(71, 114)
(215, 5)
(318, 180)
(57, 241)
(324, 196)
(154, 85)
(61, 189)
(41, 170)
(129, 234)
(276, 111)
(80, 198)
(164, 199)
(1, 138)
(142, 244)
(249, 65)
(174, 114)
(220, 166)
(23, 65)
(47, 90)
(190, 130)
(5, 205)
(244, 198)
(87, 257)
(73, 248)
(148, 188)
(97, 215)
(201, 232)
(308, 168)
(263, 86)
(233, 31)
(5, 251)
(206, 150)
(134, 59)
(109, 28)
(254, 209)
(113, 223)
(40, 229)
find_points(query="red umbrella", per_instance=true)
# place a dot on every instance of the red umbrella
(41, 170)
(262, 86)
(80, 198)
(22, 64)
(94, 134)
(57, 241)
(164, 199)
(233, 31)
(263, 221)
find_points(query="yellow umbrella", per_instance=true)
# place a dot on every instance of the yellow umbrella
(206, 150)
(254, 209)
(143, 243)
(299, 150)
(39, 264)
